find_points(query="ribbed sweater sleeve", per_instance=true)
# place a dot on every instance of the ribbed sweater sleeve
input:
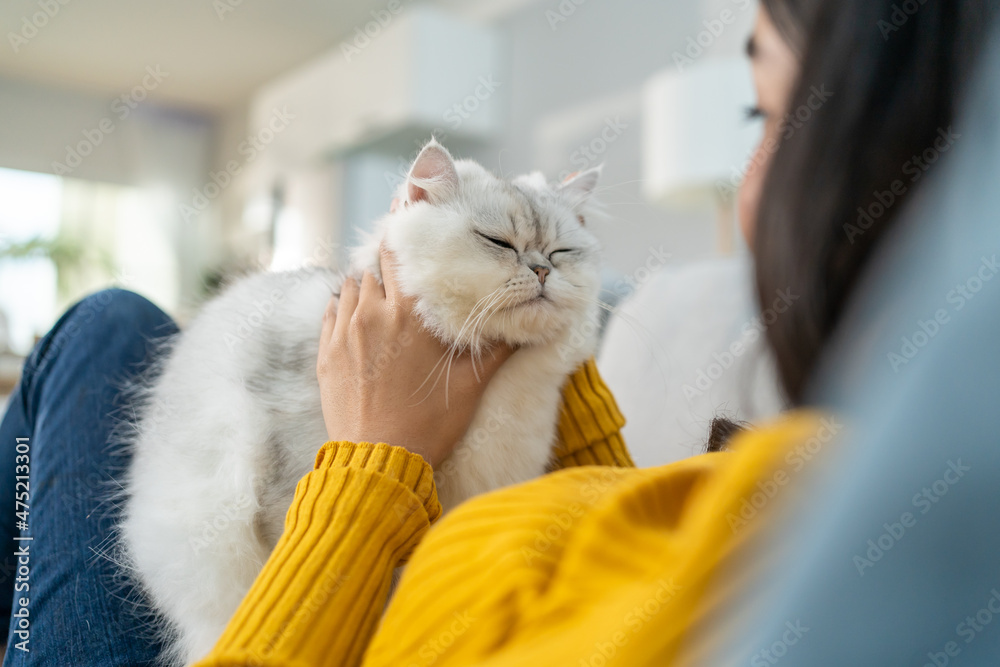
(590, 424)
(355, 518)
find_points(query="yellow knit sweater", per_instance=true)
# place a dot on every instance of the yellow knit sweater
(597, 560)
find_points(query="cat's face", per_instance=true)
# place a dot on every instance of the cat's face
(494, 260)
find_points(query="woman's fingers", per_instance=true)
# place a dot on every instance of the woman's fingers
(490, 362)
(390, 277)
(472, 375)
(350, 292)
(371, 288)
(364, 406)
(329, 319)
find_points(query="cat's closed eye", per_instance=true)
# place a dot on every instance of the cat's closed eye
(561, 250)
(497, 242)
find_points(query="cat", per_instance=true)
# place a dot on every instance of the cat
(233, 419)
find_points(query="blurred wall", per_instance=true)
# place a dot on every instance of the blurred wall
(86, 136)
(576, 78)
(569, 85)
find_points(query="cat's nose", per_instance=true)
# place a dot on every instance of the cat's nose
(540, 271)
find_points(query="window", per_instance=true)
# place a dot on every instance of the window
(62, 238)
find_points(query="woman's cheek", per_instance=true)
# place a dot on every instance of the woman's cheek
(748, 201)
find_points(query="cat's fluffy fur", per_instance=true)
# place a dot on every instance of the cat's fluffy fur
(233, 419)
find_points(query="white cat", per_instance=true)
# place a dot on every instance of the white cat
(233, 419)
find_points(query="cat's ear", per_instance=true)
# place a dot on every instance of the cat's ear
(432, 177)
(578, 188)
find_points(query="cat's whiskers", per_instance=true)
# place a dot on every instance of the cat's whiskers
(476, 317)
(474, 344)
(480, 323)
(479, 345)
(495, 306)
(507, 314)
(476, 312)
(449, 354)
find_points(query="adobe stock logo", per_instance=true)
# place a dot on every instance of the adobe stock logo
(250, 148)
(959, 298)
(714, 28)
(924, 501)
(561, 14)
(30, 26)
(779, 649)
(916, 167)
(752, 330)
(589, 154)
(461, 111)
(758, 158)
(766, 490)
(363, 35)
(122, 107)
(900, 15)
(970, 628)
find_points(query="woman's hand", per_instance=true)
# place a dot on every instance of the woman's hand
(380, 373)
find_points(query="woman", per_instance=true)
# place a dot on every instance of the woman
(581, 567)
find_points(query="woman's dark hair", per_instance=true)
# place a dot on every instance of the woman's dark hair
(721, 432)
(894, 72)
(793, 19)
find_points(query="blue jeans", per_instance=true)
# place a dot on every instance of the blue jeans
(61, 597)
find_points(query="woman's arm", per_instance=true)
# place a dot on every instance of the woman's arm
(590, 424)
(355, 518)
(364, 507)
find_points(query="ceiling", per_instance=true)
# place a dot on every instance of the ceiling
(214, 53)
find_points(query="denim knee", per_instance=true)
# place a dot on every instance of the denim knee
(100, 320)
(113, 308)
